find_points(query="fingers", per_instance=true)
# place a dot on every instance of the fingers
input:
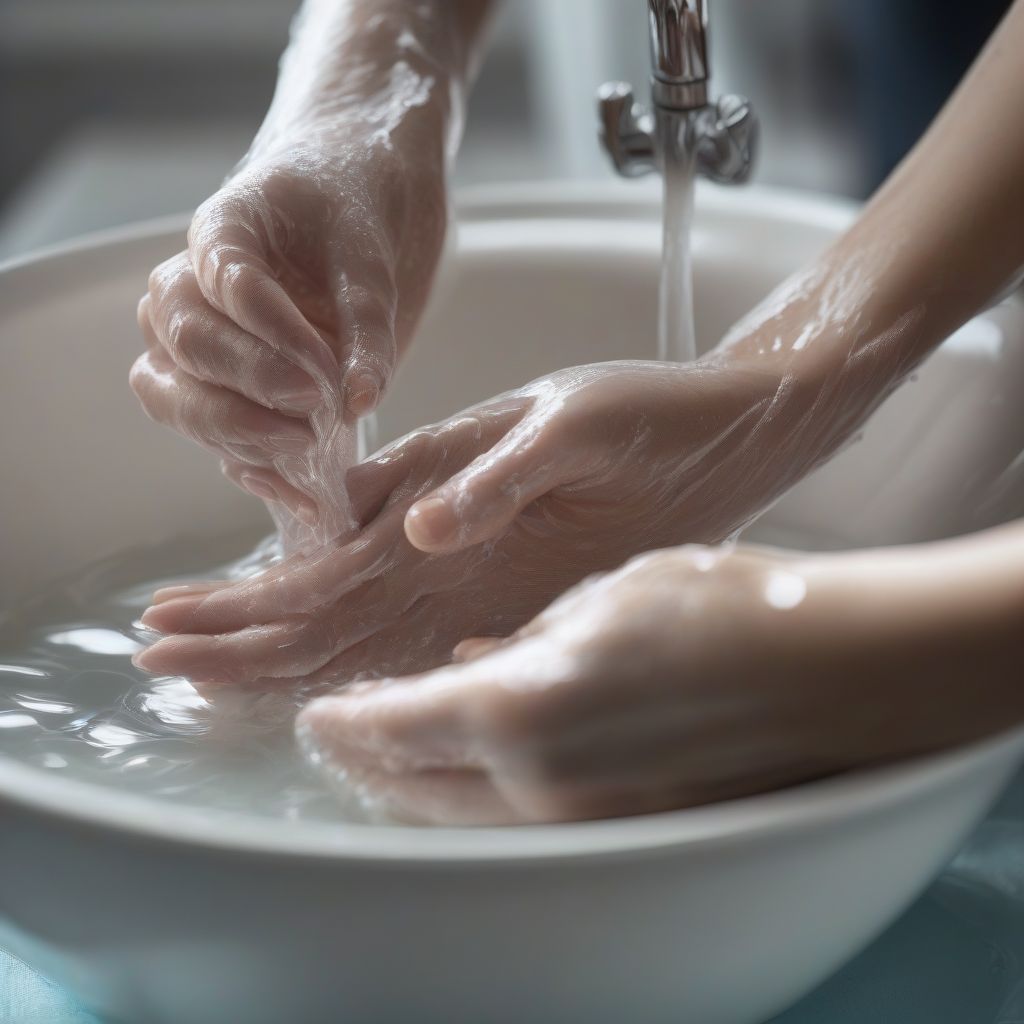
(455, 799)
(220, 420)
(367, 305)
(408, 749)
(410, 466)
(179, 590)
(287, 650)
(296, 586)
(208, 345)
(483, 499)
(412, 724)
(312, 584)
(227, 247)
(372, 482)
(373, 630)
(271, 486)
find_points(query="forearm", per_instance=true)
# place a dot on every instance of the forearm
(933, 635)
(941, 239)
(386, 66)
(955, 207)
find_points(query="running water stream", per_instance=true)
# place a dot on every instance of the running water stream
(677, 340)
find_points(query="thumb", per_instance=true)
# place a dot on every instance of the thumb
(367, 309)
(482, 500)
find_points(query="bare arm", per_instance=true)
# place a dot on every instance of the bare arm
(941, 239)
(306, 273)
(407, 60)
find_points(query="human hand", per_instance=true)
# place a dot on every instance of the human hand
(689, 676)
(539, 488)
(283, 320)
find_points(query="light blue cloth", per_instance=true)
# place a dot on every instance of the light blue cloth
(27, 998)
(956, 957)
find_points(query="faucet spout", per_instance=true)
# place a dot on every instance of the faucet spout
(679, 53)
(721, 135)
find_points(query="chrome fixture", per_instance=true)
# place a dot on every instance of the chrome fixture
(720, 136)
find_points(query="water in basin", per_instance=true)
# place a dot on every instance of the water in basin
(71, 701)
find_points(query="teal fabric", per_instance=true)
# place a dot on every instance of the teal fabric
(27, 998)
(956, 957)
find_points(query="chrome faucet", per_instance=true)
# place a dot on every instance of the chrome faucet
(720, 136)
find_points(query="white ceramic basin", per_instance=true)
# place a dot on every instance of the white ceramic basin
(724, 915)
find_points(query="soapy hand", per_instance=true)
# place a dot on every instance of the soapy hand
(472, 526)
(283, 320)
(689, 676)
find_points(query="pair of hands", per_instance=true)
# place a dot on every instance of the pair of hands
(472, 527)
(688, 676)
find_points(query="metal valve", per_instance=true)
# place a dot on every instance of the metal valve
(722, 135)
(627, 130)
(726, 140)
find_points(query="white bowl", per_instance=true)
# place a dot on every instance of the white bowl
(721, 915)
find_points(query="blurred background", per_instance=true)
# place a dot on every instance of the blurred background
(117, 110)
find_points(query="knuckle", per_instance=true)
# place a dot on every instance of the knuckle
(182, 335)
(142, 310)
(203, 227)
(164, 276)
(222, 267)
(138, 378)
(419, 446)
(146, 394)
(375, 294)
(246, 421)
(236, 275)
(262, 366)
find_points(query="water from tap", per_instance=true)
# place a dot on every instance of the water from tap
(677, 340)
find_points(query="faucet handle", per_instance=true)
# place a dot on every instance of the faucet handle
(727, 135)
(627, 130)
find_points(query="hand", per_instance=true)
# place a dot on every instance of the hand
(689, 676)
(302, 283)
(508, 505)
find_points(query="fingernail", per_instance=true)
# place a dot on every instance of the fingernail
(259, 487)
(289, 444)
(362, 393)
(151, 617)
(171, 616)
(430, 522)
(139, 660)
(180, 590)
(303, 400)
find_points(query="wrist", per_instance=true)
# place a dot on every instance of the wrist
(839, 336)
(333, 130)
